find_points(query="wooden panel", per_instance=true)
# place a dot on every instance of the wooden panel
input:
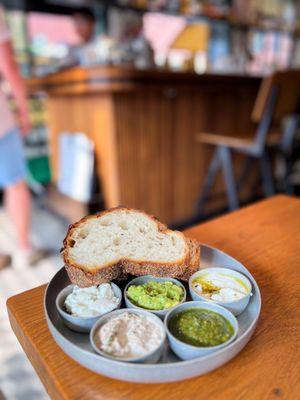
(145, 136)
(94, 116)
(161, 165)
(143, 124)
(81, 80)
(268, 367)
(287, 84)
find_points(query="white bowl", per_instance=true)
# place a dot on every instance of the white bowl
(80, 324)
(236, 306)
(149, 358)
(144, 279)
(187, 351)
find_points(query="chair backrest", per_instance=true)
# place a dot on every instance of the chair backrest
(287, 84)
(278, 97)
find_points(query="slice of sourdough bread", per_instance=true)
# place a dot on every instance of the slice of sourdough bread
(120, 241)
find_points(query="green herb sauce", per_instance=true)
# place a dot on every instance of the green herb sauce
(200, 327)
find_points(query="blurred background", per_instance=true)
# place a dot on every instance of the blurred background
(185, 109)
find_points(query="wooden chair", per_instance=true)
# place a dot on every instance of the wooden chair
(278, 98)
(288, 153)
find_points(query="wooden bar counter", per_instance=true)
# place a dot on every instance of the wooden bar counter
(143, 125)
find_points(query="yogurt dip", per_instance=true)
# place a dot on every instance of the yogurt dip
(91, 301)
(219, 286)
(129, 335)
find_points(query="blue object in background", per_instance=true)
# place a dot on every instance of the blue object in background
(219, 48)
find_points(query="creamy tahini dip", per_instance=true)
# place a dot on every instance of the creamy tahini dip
(220, 287)
(91, 301)
(129, 335)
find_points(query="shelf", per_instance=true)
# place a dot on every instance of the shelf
(66, 8)
(221, 18)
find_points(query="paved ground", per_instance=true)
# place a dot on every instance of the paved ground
(18, 381)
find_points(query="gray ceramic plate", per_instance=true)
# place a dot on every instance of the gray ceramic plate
(169, 368)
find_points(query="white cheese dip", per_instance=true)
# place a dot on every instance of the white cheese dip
(129, 335)
(220, 287)
(91, 301)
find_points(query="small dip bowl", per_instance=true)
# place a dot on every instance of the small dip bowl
(149, 358)
(144, 279)
(235, 306)
(80, 324)
(187, 351)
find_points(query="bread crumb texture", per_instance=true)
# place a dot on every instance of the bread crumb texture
(123, 234)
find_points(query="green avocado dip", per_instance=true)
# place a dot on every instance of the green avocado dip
(200, 327)
(155, 295)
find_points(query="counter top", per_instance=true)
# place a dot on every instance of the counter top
(79, 79)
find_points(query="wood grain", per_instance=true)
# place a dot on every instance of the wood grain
(235, 142)
(92, 116)
(265, 238)
(143, 125)
(287, 84)
(119, 79)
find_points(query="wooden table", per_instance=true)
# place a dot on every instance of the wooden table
(265, 237)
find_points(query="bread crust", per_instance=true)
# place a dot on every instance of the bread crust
(194, 262)
(154, 269)
(84, 277)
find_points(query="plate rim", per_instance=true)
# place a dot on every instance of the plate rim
(162, 365)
